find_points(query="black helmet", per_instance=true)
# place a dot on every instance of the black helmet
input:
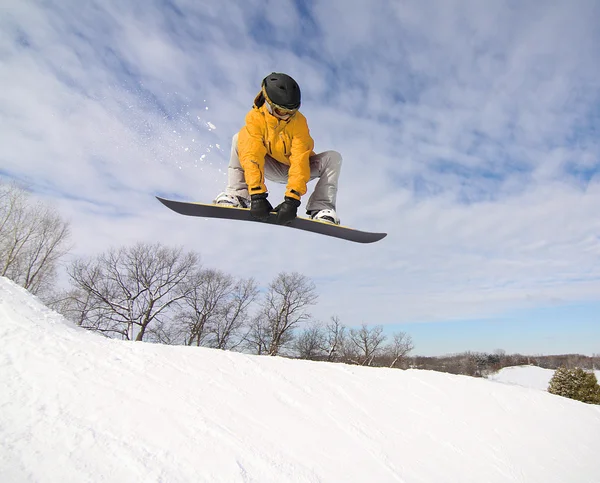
(282, 90)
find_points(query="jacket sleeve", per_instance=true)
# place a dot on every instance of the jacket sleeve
(252, 151)
(302, 147)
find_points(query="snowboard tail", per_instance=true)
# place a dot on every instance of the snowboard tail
(204, 210)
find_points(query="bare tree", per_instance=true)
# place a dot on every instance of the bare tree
(76, 305)
(163, 331)
(208, 292)
(131, 288)
(310, 342)
(90, 301)
(284, 306)
(367, 342)
(399, 348)
(33, 238)
(233, 315)
(215, 309)
(334, 336)
(348, 352)
(258, 335)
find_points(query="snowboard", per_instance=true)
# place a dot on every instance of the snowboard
(204, 210)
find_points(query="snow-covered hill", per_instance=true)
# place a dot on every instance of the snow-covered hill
(76, 407)
(527, 376)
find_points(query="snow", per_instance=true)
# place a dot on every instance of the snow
(527, 376)
(77, 407)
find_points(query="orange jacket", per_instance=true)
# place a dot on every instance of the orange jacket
(288, 142)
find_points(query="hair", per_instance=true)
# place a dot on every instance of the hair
(259, 100)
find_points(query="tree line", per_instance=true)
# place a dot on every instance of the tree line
(149, 292)
(482, 364)
(160, 294)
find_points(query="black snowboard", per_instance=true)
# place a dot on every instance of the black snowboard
(214, 211)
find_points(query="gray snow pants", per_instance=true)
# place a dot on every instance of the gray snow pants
(326, 166)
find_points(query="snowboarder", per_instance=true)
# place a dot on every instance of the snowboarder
(275, 144)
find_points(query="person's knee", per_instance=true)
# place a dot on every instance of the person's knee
(334, 159)
(234, 142)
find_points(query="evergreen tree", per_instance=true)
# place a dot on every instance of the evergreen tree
(575, 384)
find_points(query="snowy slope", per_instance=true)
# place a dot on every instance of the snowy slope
(76, 407)
(527, 376)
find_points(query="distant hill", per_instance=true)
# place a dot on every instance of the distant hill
(527, 376)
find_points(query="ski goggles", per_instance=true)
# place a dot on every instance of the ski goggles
(278, 111)
(282, 111)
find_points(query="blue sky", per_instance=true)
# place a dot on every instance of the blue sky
(469, 133)
(560, 329)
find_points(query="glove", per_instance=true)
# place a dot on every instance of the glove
(260, 207)
(287, 210)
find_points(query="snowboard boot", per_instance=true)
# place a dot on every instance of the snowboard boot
(225, 199)
(328, 216)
